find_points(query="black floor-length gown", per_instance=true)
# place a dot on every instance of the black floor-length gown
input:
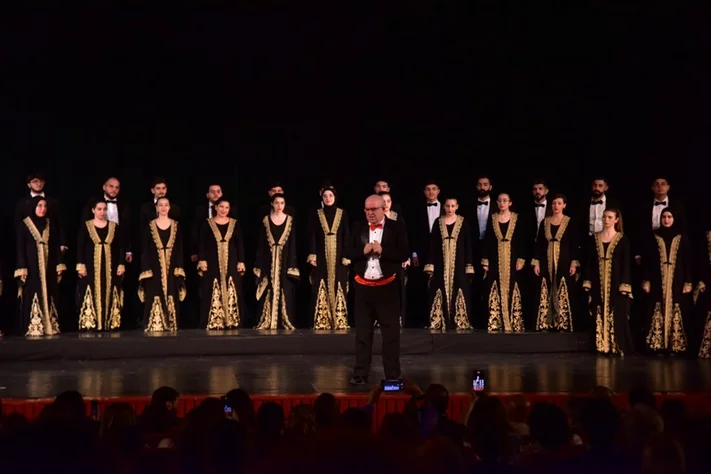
(162, 278)
(100, 294)
(503, 249)
(38, 260)
(556, 249)
(607, 278)
(221, 247)
(277, 273)
(328, 234)
(703, 298)
(451, 268)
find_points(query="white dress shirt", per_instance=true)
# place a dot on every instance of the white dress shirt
(541, 213)
(373, 270)
(595, 216)
(34, 194)
(433, 212)
(482, 214)
(112, 213)
(657, 212)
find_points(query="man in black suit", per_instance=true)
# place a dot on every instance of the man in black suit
(590, 217)
(383, 186)
(532, 218)
(377, 249)
(421, 224)
(159, 189)
(479, 222)
(35, 183)
(651, 212)
(117, 211)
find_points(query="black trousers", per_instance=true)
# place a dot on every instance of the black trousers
(381, 303)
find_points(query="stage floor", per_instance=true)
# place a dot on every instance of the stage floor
(242, 342)
(311, 374)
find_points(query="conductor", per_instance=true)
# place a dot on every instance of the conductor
(377, 249)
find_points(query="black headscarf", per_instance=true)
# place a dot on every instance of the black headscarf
(668, 233)
(330, 210)
(39, 222)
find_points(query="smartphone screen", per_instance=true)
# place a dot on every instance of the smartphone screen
(479, 381)
(395, 385)
(226, 405)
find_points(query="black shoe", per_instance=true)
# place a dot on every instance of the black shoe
(358, 380)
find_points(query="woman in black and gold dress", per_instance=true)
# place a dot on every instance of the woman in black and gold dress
(503, 259)
(556, 263)
(668, 279)
(39, 271)
(221, 266)
(393, 215)
(607, 279)
(162, 278)
(276, 268)
(702, 295)
(450, 269)
(328, 234)
(100, 265)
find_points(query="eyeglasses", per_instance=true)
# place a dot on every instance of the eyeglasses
(372, 209)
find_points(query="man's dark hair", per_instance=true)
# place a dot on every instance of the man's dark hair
(158, 181)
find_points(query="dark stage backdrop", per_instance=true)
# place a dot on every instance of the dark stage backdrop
(403, 93)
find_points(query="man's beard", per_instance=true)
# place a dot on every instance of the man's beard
(483, 194)
(596, 194)
(538, 197)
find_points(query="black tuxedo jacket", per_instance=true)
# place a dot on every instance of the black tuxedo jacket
(531, 222)
(420, 230)
(200, 217)
(394, 243)
(124, 219)
(643, 225)
(53, 214)
(148, 213)
(473, 220)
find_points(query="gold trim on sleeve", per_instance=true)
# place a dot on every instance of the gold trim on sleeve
(293, 272)
(311, 258)
(145, 275)
(535, 262)
(81, 267)
(20, 272)
(345, 262)
(179, 272)
(61, 267)
(625, 288)
(587, 284)
(429, 268)
(469, 269)
(484, 262)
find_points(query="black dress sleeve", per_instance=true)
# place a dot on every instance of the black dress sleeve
(575, 257)
(292, 268)
(520, 241)
(687, 262)
(146, 270)
(21, 258)
(261, 251)
(623, 257)
(81, 249)
(202, 240)
(179, 258)
(311, 232)
(239, 242)
(465, 235)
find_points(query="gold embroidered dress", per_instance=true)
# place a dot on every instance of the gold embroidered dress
(162, 278)
(277, 273)
(450, 268)
(556, 250)
(328, 234)
(99, 294)
(503, 249)
(607, 278)
(38, 260)
(703, 299)
(221, 247)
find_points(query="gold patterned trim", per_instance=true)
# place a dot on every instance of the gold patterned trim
(200, 264)
(625, 288)
(449, 257)
(587, 284)
(141, 294)
(605, 339)
(61, 267)
(257, 272)
(145, 275)
(179, 272)
(311, 258)
(698, 290)
(484, 262)
(504, 253)
(429, 268)
(345, 262)
(535, 262)
(330, 242)
(20, 272)
(182, 293)
(293, 272)
(437, 322)
(469, 269)
(44, 305)
(276, 299)
(223, 256)
(121, 268)
(575, 263)
(688, 287)
(520, 261)
(81, 267)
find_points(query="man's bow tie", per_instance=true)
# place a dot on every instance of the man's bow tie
(595, 203)
(435, 204)
(376, 226)
(539, 205)
(482, 203)
(660, 203)
(110, 200)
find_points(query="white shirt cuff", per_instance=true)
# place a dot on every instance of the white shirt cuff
(414, 254)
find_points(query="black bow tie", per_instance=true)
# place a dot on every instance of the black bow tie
(595, 203)
(539, 205)
(482, 203)
(658, 203)
(110, 200)
(435, 204)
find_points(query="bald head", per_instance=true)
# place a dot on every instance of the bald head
(374, 211)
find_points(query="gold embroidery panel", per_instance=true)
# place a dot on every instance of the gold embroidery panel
(223, 258)
(42, 244)
(504, 258)
(607, 344)
(449, 257)
(331, 250)
(276, 250)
